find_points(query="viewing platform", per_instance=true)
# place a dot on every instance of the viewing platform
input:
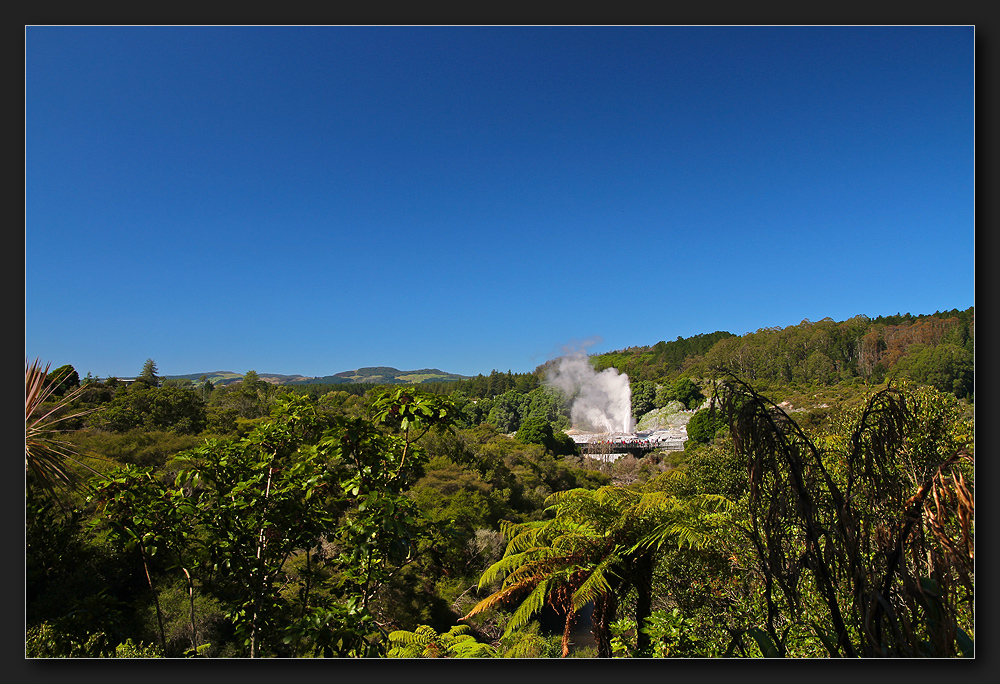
(638, 444)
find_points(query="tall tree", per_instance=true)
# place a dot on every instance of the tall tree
(260, 500)
(149, 374)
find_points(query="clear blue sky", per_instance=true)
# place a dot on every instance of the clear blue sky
(318, 199)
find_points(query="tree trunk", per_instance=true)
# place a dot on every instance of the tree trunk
(194, 631)
(567, 630)
(156, 600)
(603, 616)
(643, 582)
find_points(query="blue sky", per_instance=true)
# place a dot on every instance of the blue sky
(318, 199)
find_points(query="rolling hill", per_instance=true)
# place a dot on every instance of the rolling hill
(381, 375)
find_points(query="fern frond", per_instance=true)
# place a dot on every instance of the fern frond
(595, 585)
(495, 599)
(531, 605)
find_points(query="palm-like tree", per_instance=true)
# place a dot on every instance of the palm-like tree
(599, 545)
(554, 561)
(48, 459)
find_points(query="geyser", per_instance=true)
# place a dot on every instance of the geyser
(601, 402)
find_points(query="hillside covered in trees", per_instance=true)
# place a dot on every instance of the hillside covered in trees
(823, 505)
(936, 349)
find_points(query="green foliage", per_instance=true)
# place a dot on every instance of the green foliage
(643, 397)
(179, 382)
(662, 360)
(425, 642)
(519, 476)
(138, 447)
(457, 499)
(704, 425)
(598, 547)
(143, 514)
(130, 650)
(670, 635)
(240, 509)
(687, 392)
(194, 622)
(946, 367)
(529, 642)
(249, 399)
(506, 411)
(260, 498)
(485, 386)
(823, 352)
(155, 408)
(536, 429)
(64, 379)
(48, 641)
(335, 631)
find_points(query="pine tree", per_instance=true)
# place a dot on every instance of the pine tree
(148, 374)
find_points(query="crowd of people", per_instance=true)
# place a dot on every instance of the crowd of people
(631, 443)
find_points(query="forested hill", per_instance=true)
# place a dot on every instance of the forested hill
(936, 349)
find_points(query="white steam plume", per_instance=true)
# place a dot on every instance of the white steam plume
(601, 402)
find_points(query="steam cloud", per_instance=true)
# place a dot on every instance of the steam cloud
(601, 402)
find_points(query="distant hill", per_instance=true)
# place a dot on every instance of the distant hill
(218, 378)
(382, 375)
(379, 375)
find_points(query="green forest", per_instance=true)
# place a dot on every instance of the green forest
(822, 506)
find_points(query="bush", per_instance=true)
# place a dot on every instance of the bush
(703, 425)
(167, 408)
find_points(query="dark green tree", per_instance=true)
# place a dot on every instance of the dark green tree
(506, 411)
(643, 397)
(687, 392)
(704, 424)
(535, 430)
(149, 376)
(63, 379)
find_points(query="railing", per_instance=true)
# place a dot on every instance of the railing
(632, 446)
